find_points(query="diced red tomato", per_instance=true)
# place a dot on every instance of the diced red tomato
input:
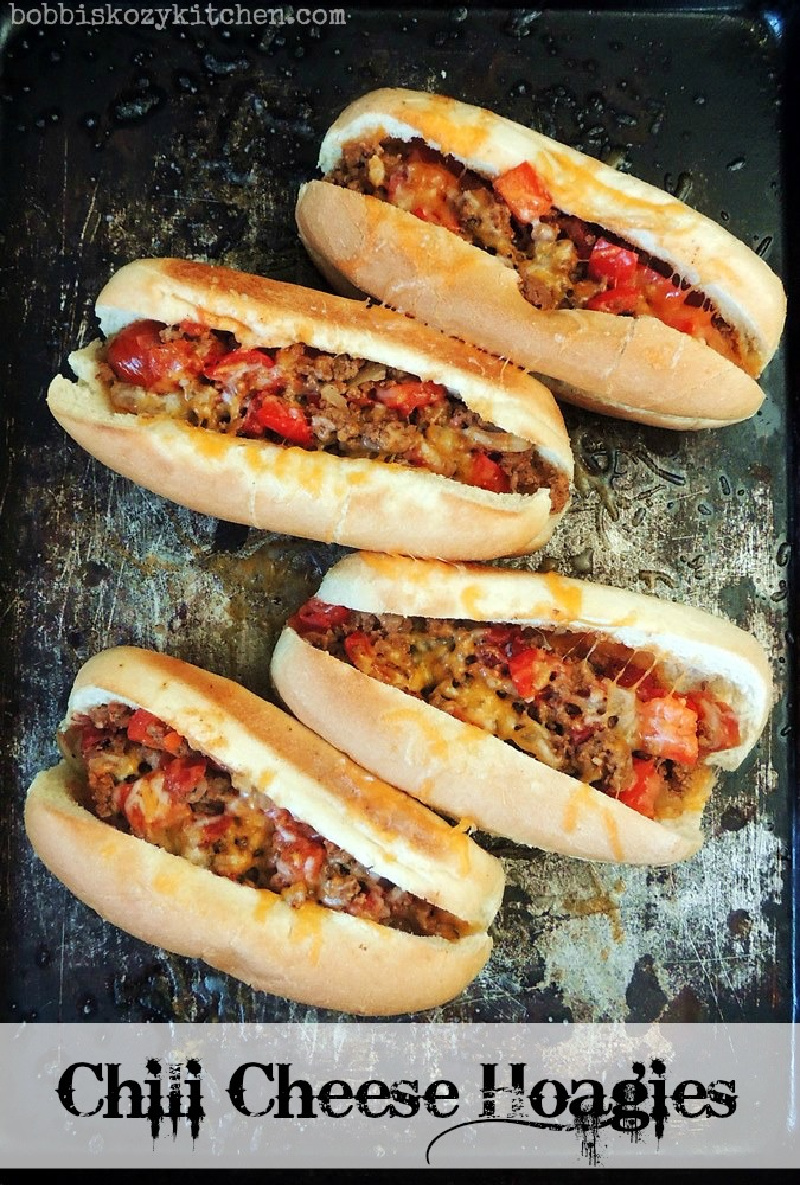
(610, 262)
(500, 635)
(300, 849)
(642, 794)
(641, 291)
(172, 742)
(318, 615)
(406, 397)
(129, 352)
(274, 414)
(438, 215)
(667, 301)
(358, 647)
(530, 670)
(121, 795)
(718, 727)
(523, 192)
(136, 818)
(486, 474)
(183, 775)
(519, 642)
(667, 727)
(145, 728)
(625, 299)
(138, 355)
(659, 288)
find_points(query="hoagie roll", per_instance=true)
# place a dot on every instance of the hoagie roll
(198, 817)
(289, 409)
(568, 716)
(618, 295)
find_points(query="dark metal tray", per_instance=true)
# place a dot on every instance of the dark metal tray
(121, 142)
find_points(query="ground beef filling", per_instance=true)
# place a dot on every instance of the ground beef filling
(593, 709)
(304, 397)
(562, 261)
(144, 779)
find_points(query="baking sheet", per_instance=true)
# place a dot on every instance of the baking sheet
(125, 142)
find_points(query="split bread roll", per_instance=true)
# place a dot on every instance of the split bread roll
(183, 796)
(568, 716)
(501, 236)
(292, 410)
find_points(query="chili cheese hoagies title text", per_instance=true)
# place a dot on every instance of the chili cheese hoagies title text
(508, 1092)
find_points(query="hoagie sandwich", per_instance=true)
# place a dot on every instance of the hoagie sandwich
(568, 716)
(618, 295)
(289, 409)
(202, 819)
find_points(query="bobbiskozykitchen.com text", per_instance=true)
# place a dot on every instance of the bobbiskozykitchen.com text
(172, 16)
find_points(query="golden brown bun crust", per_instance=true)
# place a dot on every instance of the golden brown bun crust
(744, 288)
(266, 750)
(310, 954)
(633, 368)
(463, 771)
(314, 494)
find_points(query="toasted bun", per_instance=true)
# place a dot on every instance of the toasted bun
(358, 503)
(639, 369)
(465, 772)
(312, 954)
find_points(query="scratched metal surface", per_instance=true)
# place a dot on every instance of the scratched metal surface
(123, 143)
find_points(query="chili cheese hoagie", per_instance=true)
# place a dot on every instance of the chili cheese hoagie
(622, 298)
(289, 409)
(572, 717)
(204, 820)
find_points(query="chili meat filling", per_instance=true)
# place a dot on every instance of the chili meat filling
(563, 262)
(590, 708)
(304, 397)
(144, 779)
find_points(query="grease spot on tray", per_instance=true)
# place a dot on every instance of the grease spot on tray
(600, 903)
